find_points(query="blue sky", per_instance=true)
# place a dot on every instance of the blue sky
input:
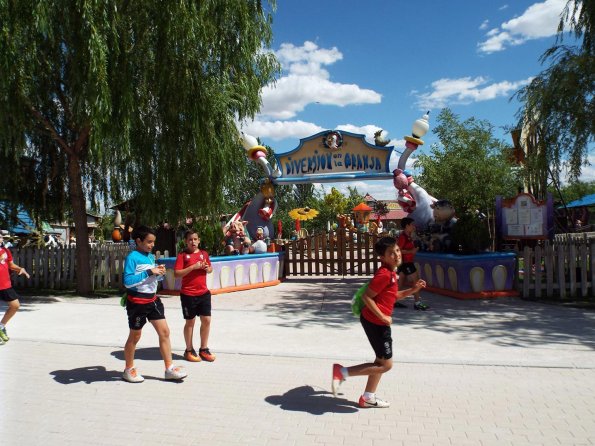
(361, 66)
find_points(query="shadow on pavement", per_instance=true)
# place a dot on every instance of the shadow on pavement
(306, 399)
(95, 374)
(87, 375)
(147, 354)
(504, 321)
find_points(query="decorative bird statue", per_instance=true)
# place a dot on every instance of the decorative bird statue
(379, 140)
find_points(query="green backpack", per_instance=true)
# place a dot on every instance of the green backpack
(357, 303)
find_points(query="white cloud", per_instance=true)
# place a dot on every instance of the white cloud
(278, 130)
(466, 90)
(307, 82)
(538, 21)
(503, 7)
(484, 25)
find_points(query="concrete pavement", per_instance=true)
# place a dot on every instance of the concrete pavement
(501, 372)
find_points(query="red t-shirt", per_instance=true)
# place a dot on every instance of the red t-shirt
(195, 282)
(406, 242)
(5, 259)
(384, 283)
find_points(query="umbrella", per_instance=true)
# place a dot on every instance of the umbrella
(299, 214)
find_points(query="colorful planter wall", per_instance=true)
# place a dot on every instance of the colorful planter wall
(468, 276)
(232, 273)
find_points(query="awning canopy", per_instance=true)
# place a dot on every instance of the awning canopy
(587, 200)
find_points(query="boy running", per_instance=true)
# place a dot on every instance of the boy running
(379, 300)
(193, 265)
(140, 278)
(7, 293)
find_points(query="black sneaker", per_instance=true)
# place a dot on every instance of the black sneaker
(421, 306)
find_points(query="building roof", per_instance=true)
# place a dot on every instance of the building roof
(362, 207)
(587, 200)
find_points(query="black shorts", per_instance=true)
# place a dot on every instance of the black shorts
(138, 314)
(193, 306)
(407, 268)
(380, 337)
(8, 295)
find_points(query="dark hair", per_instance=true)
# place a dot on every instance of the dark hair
(141, 232)
(190, 232)
(383, 244)
(406, 221)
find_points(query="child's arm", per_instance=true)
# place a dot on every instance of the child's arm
(197, 265)
(368, 299)
(414, 289)
(14, 267)
(132, 278)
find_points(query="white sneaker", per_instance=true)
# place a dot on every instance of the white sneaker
(132, 376)
(377, 402)
(176, 372)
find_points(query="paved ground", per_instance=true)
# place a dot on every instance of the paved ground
(492, 372)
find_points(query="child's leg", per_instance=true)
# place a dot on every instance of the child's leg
(189, 333)
(13, 307)
(162, 330)
(130, 347)
(371, 369)
(205, 328)
(383, 365)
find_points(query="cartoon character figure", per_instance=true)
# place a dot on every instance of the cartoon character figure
(259, 246)
(236, 239)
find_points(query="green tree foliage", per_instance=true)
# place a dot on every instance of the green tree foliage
(558, 105)
(574, 190)
(117, 99)
(469, 167)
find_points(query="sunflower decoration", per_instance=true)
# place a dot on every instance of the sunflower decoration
(300, 214)
(303, 213)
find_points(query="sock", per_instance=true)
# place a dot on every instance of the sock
(344, 372)
(368, 396)
(171, 367)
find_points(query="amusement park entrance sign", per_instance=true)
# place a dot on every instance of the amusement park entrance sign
(333, 156)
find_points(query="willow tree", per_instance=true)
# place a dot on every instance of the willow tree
(111, 100)
(558, 106)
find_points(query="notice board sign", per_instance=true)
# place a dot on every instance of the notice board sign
(524, 217)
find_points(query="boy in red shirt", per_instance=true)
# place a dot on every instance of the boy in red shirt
(407, 271)
(379, 298)
(193, 265)
(7, 293)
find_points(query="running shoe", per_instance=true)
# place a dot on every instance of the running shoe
(421, 306)
(206, 355)
(337, 378)
(191, 356)
(176, 372)
(376, 402)
(132, 376)
(3, 336)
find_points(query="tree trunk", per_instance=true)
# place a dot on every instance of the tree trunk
(79, 211)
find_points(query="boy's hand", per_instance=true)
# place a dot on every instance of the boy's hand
(24, 271)
(387, 319)
(158, 270)
(420, 283)
(200, 265)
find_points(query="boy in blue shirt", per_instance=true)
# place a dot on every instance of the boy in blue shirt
(141, 276)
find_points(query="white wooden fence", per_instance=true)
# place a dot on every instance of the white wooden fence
(563, 268)
(55, 268)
